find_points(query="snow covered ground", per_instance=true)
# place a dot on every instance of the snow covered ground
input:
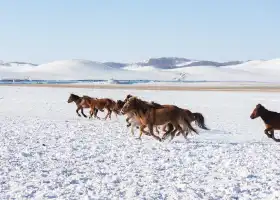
(48, 152)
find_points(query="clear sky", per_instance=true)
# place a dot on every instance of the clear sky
(41, 31)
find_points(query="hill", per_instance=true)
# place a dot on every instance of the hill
(153, 69)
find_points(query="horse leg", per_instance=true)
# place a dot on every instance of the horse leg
(157, 130)
(95, 113)
(150, 126)
(166, 134)
(273, 137)
(132, 130)
(179, 128)
(266, 131)
(142, 130)
(173, 133)
(128, 123)
(108, 113)
(77, 111)
(82, 111)
(90, 113)
(110, 116)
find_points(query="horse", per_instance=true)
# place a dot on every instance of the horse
(134, 121)
(81, 103)
(130, 115)
(100, 104)
(198, 118)
(152, 115)
(271, 120)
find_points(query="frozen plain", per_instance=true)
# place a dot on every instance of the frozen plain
(48, 152)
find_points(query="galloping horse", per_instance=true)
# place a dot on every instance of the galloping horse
(100, 104)
(151, 115)
(271, 120)
(131, 115)
(80, 102)
(133, 120)
(198, 118)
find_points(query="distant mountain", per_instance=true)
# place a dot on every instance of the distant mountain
(171, 63)
(155, 69)
(159, 63)
(115, 65)
(11, 64)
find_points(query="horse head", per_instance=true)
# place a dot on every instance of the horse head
(71, 98)
(129, 105)
(127, 97)
(119, 105)
(258, 111)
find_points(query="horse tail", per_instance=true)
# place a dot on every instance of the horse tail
(189, 126)
(200, 121)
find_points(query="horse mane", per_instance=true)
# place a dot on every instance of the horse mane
(75, 97)
(142, 105)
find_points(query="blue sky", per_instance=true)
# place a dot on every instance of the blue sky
(127, 31)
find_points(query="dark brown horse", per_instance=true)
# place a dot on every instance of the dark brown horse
(80, 102)
(101, 104)
(271, 120)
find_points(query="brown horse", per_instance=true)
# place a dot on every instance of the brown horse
(80, 102)
(130, 115)
(271, 120)
(133, 120)
(100, 104)
(151, 115)
(198, 118)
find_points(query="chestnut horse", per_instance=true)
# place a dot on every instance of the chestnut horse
(80, 103)
(100, 104)
(271, 120)
(151, 115)
(198, 118)
(133, 120)
(131, 114)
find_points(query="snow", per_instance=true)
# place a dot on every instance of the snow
(77, 69)
(185, 63)
(140, 68)
(48, 152)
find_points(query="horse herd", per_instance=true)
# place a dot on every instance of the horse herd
(172, 119)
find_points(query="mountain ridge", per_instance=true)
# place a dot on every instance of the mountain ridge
(160, 63)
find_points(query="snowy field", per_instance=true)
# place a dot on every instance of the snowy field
(48, 152)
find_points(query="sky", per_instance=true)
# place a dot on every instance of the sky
(136, 30)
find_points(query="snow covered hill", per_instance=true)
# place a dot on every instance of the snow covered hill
(78, 70)
(183, 70)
